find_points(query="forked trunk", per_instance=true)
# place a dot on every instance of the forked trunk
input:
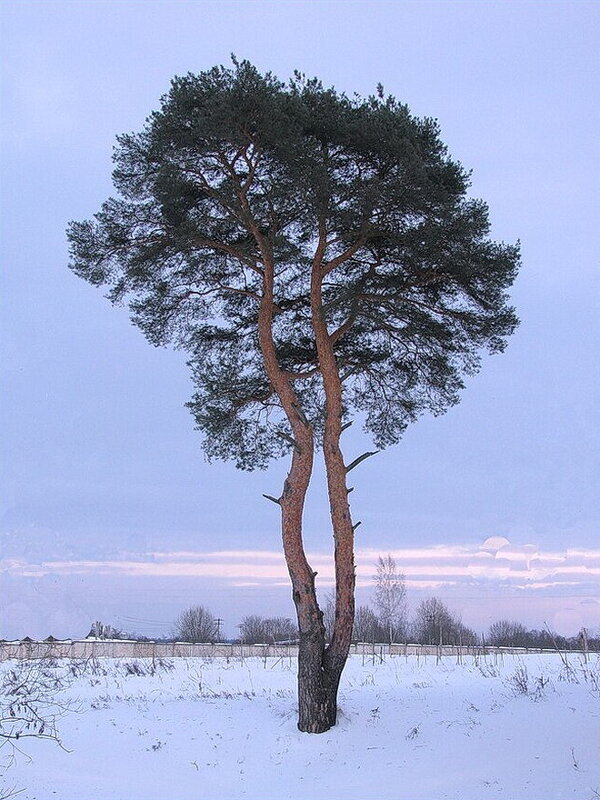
(318, 676)
(319, 666)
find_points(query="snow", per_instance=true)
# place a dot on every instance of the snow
(515, 727)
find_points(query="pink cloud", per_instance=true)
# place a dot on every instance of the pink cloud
(431, 567)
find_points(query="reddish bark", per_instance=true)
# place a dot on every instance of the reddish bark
(319, 666)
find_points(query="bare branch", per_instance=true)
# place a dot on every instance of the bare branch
(358, 460)
(348, 253)
(214, 244)
(308, 373)
(301, 414)
(290, 439)
(273, 499)
(345, 327)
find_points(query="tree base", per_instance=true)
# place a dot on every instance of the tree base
(318, 682)
(319, 718)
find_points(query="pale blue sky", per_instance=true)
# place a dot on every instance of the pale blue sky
(101, 464)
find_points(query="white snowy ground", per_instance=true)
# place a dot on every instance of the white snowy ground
(517, 727)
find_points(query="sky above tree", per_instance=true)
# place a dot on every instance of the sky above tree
(107, 501)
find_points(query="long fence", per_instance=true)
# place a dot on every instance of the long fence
(126, 648)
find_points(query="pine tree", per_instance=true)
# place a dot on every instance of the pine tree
(316, 256)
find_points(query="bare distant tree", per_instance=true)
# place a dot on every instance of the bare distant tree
(260, 630)
(282, 629)
(366, 626)
(196, 624)
(506, 633)
(463, 635)
(435, 624)
(390, 596)
(101, 631)
(251, 629)
(328, 606)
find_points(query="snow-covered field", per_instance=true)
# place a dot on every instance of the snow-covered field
(512, 727)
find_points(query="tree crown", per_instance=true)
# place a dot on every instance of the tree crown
(237, 171)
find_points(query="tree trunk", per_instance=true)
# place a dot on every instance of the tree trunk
(317, 682)
(319, 667)
(317, 686)
(318, 677)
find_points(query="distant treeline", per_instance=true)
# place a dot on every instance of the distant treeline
(432, 624)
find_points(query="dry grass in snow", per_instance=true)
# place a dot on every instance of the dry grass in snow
(511, 727)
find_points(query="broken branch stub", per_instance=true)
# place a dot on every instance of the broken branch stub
(358, 460)
(273, 499)
(290, 439)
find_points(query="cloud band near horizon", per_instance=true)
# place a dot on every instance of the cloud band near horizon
(495, 561)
